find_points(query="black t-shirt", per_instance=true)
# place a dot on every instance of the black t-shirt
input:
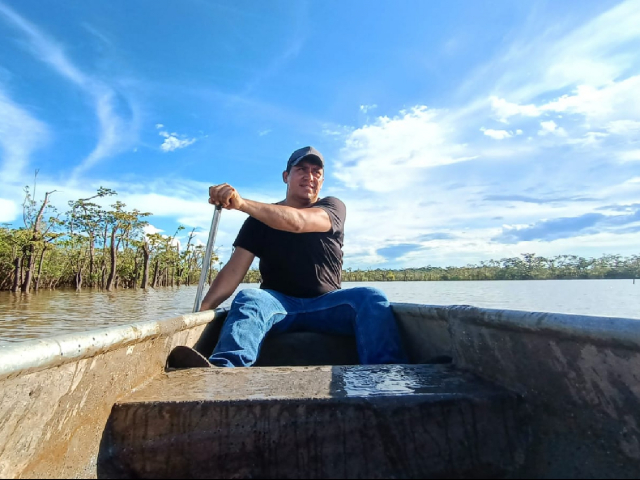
(302, 265)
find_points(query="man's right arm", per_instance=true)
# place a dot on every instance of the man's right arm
(228, 279)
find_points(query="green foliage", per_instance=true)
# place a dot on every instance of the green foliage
(526, 267)
(93, 246)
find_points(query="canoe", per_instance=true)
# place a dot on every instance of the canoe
(489, 393)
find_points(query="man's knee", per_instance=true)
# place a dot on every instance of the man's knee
(254, 299)
(370, 294)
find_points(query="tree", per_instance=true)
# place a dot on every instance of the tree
(88, 219)
(33, 221)
(122, 226)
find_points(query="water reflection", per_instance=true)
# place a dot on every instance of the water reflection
(50, 313)
(47, 313)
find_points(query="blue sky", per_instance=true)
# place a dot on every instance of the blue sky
(454, 131)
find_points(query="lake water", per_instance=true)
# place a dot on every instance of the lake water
(48, 313)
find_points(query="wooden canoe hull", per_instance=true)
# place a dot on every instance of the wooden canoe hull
(579, 375)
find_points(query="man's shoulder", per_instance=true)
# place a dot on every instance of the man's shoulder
(335, 201)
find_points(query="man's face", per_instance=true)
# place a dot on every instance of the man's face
(305, 180)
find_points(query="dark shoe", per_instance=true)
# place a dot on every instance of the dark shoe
(185, 357)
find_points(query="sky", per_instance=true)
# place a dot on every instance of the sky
(455, 132)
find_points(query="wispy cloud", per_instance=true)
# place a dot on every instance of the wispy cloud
(116, 133)
(368, 108)
(20, 135)
(549, 58)
(529, 199)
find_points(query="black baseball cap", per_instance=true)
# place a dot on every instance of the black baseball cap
(305, 153)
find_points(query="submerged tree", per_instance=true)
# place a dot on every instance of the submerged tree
(87, 219)
(124, 226)
(34, 223)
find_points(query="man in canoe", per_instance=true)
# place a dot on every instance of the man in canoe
(299, 243)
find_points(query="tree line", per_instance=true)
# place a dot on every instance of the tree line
(527, 266)
(93, 246)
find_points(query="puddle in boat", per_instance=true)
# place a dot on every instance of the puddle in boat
(389, 380)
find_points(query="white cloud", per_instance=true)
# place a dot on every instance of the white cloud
(262, 133)
(601, 107)
(159, 126)
(551, 127)
(8, 211)
(150, 230)
(393, 153)
(503, 110)
(172, 142)
(368, 108)
(20, 135)
(497, 134)
(630, 156)
(624, 127)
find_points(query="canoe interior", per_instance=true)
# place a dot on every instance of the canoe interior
(370, 421)
(578, 377)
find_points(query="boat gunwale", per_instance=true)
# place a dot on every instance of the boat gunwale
(41, 354)
(606, 331)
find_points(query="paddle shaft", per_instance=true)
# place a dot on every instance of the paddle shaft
(206, 262)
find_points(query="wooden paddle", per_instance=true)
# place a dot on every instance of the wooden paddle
(206, 262)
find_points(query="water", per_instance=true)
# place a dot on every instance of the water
(48, 313)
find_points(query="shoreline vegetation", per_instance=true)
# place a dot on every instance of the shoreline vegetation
(90, 246)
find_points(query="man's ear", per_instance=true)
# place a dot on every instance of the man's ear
(285, 176)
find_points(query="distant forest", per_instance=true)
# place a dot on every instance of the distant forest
(527, 266)
(95, 247)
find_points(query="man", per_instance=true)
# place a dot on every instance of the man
(299, 242)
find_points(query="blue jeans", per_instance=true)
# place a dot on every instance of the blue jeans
(363, 312)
